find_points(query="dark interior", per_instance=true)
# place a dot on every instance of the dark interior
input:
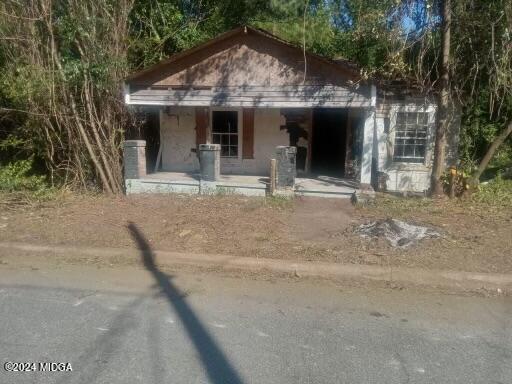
(329, 141)
(148, 129)
(225, 132)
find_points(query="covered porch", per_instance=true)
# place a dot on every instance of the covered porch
(249, 93)
(249, 185)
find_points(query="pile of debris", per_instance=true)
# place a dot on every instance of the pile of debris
(398, 233)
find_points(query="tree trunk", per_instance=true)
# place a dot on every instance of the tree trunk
(491, 150)
(444, 104)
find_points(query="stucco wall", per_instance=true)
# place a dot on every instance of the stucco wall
(178, 138)
(267, 136)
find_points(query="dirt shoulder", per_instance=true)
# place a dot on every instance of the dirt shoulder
(474, 238)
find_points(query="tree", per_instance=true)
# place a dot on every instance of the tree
(63, 70)
(498, 141)
(444, 102)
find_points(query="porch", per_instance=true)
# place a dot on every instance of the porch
(248, 185)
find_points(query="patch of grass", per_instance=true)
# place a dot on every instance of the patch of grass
(18, 180)
(392, 205)
(279, 202)
(497, 192)
(224, 191)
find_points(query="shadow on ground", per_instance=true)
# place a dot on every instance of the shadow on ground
(217, 366)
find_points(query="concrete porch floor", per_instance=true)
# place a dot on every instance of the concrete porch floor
(252, 185)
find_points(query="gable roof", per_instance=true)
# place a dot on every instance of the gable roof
(350, 69)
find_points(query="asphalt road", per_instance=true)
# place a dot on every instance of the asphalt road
(129, 325)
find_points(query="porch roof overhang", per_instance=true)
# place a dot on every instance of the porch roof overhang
(255, 96)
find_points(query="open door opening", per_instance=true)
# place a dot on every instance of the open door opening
(148, 130)
(329, 141)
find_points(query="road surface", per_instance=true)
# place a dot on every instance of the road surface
(144, 325)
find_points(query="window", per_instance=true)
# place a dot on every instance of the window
(225, 132)
(411, 131)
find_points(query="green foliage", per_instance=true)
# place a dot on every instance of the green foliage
(18, 177)
(497, 192)
(483, 77)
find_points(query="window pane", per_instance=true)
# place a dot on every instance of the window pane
(410, 137)
(400, 118)
(232, 127)
(225, 132)
(409, 150)
(412, 118)
(224, 121)
(420, 151)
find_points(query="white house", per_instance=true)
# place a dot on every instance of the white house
(249, 91)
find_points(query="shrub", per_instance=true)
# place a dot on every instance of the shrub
(18, 177)
(495, 192)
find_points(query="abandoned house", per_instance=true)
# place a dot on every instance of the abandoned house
(219, 112)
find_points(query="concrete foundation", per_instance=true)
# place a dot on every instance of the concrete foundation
(189, 183)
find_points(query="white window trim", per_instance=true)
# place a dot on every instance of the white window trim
(239, 111)
(430, 109)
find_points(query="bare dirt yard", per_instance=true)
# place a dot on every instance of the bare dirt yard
(474, 237)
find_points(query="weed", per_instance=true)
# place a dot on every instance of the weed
(224, 191)
(279, 202)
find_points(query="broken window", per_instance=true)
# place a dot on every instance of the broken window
(411, 132)
(225, 132)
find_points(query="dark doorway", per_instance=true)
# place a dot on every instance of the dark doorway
(147, 128)
(329, 141)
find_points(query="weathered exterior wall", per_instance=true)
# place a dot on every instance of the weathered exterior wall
(245, 70)
(178, 135)
(401, 176)
(255, 96)
(178, 138)
(408, 178)
(243, 60)
(267, 136)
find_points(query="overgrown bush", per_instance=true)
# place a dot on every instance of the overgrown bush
(18, 177)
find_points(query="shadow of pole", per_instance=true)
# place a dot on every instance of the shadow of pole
(217, 366)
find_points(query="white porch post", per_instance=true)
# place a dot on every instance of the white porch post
(368, 142)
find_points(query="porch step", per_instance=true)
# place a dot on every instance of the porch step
(329, 194)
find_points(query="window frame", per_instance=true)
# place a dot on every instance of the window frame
(430, 110)
(238, 132)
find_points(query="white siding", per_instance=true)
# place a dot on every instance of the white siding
(256, 96)
(368, 147)
(408, 178)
